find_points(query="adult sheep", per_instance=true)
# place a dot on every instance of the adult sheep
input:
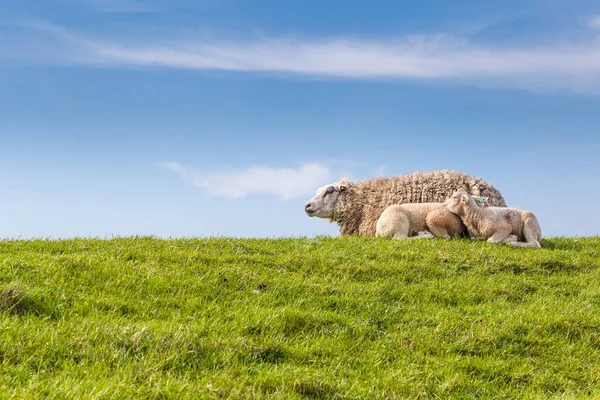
(356, 206)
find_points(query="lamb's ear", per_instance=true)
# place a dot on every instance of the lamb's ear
(481, 201)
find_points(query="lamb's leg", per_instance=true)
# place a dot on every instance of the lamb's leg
(394, 223)
(423, 235)
(440, 232)
(525, 244)
(511, 239)
(500, 236)
(440, 222)
(531, 231)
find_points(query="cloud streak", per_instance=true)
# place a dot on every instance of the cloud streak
(285, 183)
(594, 22)
(571, 67)
(122, 6)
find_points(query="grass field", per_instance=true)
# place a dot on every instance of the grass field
(299, 318)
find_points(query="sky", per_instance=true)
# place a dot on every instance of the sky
(205, 118)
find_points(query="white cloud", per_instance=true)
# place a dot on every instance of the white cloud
(285, 183)
(571, 67)
(381, 170)
(594, 22)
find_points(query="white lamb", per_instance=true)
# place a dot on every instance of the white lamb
(419, 221)
(496, 224)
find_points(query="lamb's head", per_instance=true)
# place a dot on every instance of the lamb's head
(461, 200)
(324, 202)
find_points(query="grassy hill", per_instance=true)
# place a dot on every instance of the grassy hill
(299, 318)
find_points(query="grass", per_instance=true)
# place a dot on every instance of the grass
(356, 318)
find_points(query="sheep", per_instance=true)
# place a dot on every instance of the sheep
(356, 206)
(419, 221)
(496, 224)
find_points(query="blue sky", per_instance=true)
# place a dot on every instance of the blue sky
(199, 118)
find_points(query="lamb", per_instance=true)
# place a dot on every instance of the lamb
(356, 206)
(496, 224)
(417, 221)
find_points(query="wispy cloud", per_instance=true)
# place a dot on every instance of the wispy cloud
(444, 59)
(285, 183)
(122, 6)
(594, 22)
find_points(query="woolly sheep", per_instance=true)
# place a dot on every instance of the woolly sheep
(356, 206)
(420, 220)
(496, 224)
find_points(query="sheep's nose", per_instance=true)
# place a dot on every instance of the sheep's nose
(307, 206)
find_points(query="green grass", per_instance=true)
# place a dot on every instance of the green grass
(299, 318)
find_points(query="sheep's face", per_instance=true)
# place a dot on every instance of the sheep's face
(323, 204)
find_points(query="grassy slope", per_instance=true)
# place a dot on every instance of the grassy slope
(294, 318)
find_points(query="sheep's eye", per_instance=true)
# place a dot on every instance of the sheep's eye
(329, 190)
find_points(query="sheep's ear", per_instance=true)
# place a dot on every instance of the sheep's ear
(464, 198)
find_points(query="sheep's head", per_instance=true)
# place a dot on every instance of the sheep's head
(460, 199)
(324, 202)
